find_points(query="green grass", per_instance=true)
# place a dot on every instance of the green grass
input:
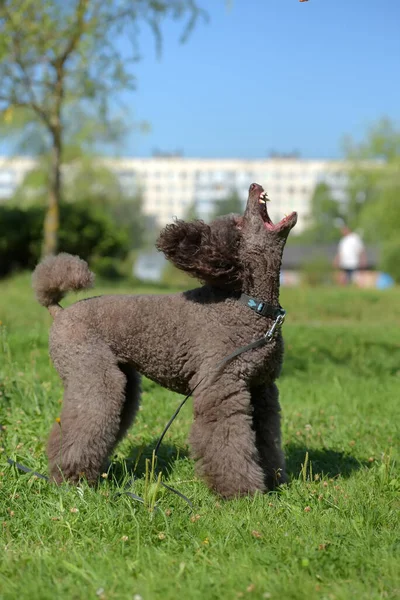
(332, 534)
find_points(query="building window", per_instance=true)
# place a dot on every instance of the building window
(6, 177)
(242, 177)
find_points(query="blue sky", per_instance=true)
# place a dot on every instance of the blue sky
(269, 74)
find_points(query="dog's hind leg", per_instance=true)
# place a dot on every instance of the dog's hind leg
(223, 440)
(132, 398)
(267, 426)
(93, 417)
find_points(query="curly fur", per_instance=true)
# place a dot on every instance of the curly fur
(101, 345)
(208, 252)
(57, 275)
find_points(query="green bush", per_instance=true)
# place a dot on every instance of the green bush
(390, 259)
(107, 267)
(20, 235)
(85, 230)
(91, 233)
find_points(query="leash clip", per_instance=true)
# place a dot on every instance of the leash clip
(276, 325)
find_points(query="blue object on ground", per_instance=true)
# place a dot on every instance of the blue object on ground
(384, 281)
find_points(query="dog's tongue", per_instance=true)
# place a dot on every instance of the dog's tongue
(268, 224)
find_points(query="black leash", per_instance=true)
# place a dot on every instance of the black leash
(267, 337)
(20, 467)
(25, 469)
(261, 308)
(257, 344)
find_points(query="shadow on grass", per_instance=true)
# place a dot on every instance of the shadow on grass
(135, 464)
(330, 463)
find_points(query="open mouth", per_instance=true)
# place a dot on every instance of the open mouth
(287, 221)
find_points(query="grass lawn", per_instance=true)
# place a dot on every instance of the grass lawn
(332, 534)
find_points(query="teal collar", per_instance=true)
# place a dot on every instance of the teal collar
(262, 308)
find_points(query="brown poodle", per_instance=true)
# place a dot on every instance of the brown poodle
(100, 345)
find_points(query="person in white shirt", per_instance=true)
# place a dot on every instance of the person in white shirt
(351, 255)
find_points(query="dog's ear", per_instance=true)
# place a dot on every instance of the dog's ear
(208, 252)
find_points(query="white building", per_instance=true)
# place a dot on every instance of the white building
(171, 185)
(12, 173)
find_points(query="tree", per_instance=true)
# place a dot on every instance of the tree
(231, 204)
(374, 181)
(374, 173)
(84, 174)
(382, 143)
(325, 212)
(88, 181)
(374, 190)
(84, 178)
(58, 56)
(127, 213)
(191, 213)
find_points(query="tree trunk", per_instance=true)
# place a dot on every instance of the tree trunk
(52, 219)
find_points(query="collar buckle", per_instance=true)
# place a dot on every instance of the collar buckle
(275, 327)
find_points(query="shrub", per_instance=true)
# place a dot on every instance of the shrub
(20, 235)
(91, 233)
(85, 230)
(390, 259)
(107, 267)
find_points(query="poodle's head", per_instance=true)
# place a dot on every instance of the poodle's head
(220, 253)
(261, 246)
(257, 229)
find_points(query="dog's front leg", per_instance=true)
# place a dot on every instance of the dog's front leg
(223, 440)
(267, 426)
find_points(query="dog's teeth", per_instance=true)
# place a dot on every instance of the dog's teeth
(261, 200)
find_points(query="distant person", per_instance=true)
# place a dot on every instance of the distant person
(351, 255)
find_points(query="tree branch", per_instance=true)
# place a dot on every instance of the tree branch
(26, 80)
(75, 38)
(28, 104)
(10, 102)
